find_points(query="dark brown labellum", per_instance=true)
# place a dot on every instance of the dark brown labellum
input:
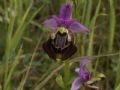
(60, 44)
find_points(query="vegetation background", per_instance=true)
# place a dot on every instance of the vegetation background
(25, 66)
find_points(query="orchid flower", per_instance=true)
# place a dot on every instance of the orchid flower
(65, 20)
(84, 75)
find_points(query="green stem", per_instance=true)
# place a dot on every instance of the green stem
(112, 25)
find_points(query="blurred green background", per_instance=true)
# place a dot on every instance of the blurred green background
(25, 66)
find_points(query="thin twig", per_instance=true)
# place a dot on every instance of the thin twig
(93, 57)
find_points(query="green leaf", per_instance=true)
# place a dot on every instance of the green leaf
(118, 87)
(60, 81)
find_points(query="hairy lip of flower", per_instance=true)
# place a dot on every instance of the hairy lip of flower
(60, 44)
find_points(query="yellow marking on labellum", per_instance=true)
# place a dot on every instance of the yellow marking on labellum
(62, 30)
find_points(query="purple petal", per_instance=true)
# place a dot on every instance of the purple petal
(83, 71)
(50, 24)
(64, 23)
(84, 62)
(85, 75)
(66, 11)
(76, 27)
(77, 83)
